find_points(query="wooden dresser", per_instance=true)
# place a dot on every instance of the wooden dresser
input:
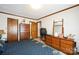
(63, 44)
(67, 46)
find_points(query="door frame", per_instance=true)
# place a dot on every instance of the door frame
(40, 26)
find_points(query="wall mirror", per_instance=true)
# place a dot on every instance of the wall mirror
(58, 29)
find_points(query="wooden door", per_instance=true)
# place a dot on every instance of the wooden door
(24, 31)
(12, 30)
(34, 30)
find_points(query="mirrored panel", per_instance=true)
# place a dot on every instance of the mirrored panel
(58, 29)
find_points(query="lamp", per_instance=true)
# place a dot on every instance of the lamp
(1, 32)
(35, 6)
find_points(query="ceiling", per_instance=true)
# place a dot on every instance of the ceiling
(26, 10)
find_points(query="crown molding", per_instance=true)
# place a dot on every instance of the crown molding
(58, 11)
(16, 15)
(43, 16)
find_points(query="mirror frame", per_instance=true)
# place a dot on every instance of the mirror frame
(62, 27)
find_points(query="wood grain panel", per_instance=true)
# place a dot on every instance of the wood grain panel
(34, 30)
(62, 44)
(12, 30)
(24, 31)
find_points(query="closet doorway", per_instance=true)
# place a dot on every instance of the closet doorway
(34, 29)
(12, 30)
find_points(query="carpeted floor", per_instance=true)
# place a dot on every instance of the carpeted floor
(28, 47)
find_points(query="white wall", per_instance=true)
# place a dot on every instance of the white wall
(48, 24)
(3, 22)
(71, 22)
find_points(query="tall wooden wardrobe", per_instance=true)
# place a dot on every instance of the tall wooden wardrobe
(24, 31)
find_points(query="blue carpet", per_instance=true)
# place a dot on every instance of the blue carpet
(27, 47)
